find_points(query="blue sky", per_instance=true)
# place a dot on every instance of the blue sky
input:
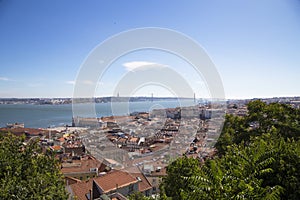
(255, 44)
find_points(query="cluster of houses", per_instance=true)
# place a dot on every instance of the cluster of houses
(144, 141)
(89, 178)
(133, 142)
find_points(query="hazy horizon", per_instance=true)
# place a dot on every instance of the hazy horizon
(148, 97)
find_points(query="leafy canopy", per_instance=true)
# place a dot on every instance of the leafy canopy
(27, 173)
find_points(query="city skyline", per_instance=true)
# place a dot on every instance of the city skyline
(254, 45)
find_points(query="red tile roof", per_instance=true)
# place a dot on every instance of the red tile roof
(83, 165)
(71, 180)
(134, 140)
(111, 181)
(56, 148)
(144, 184)
(62, 139)
(81, 189)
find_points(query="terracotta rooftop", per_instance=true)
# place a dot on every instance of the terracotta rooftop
(62, 139)
(56, 147)
(111, 181)
(134, 139)
(71, 180)
(81, 189)
(83, 165)
(122, 140)
(144, 184)
(162, 172)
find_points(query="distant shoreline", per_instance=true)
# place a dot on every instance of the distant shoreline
(45, 115)
(67, 100)
(57, 101)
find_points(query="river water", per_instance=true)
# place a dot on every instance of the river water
(42, 116)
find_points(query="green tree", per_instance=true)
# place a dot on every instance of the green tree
(236, 175)
(281, 116)
(286, 166)
(279, 119)
(27, 173)
(277, 125)
(139, 196)
(177, 171)
(234, 131)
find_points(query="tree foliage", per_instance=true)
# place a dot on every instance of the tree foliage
(279, 119)
(237, 175)
(177, 171)
(279, 126)
(27, 173)
(139, 196)
(286, 166)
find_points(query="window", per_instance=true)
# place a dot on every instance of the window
(154, 189)
(147, 193)
(130, 188)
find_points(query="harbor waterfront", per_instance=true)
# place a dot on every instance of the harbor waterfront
(43, 116)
